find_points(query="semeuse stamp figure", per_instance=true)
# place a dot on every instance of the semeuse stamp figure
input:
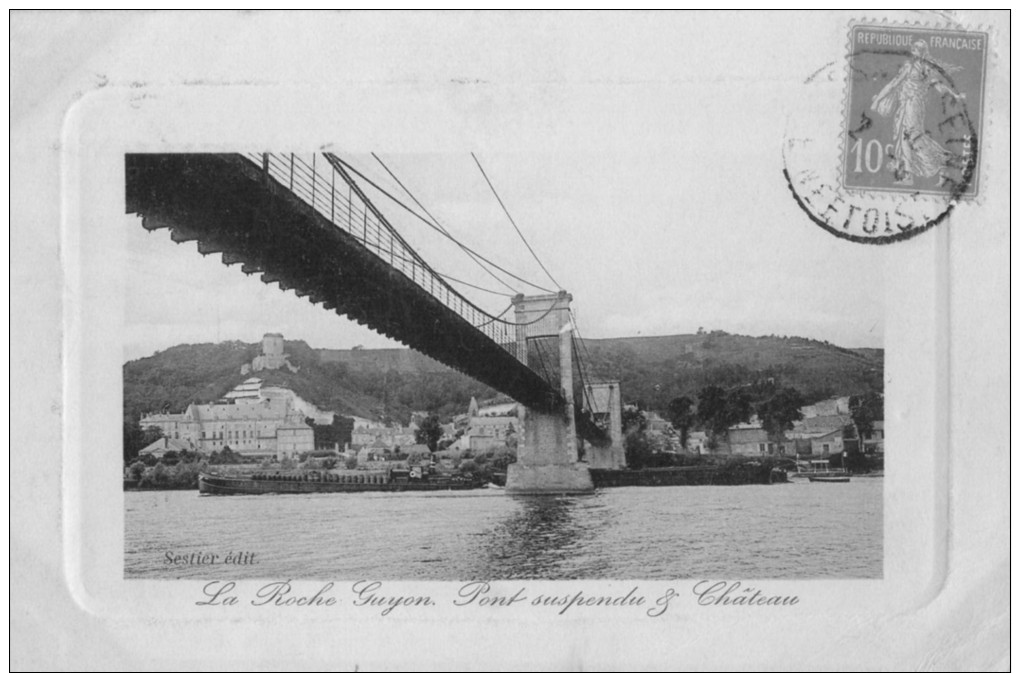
(915, 152)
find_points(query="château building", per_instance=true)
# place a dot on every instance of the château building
(252, 419)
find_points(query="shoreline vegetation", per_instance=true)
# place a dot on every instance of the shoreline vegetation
(650, 460)
(181, 472)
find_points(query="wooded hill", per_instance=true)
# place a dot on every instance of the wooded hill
(393, 382)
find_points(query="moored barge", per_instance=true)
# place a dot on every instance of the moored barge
(313, 481)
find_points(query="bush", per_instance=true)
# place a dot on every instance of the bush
(503, 459)
(160, 475)
(185, 475)
(351, 463)
(637, 450)
(225, 457)
(136, 470)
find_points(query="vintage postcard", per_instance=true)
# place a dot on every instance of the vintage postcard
(513, 340)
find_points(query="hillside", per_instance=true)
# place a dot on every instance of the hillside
(203, 373)
(393, 382)
(654, 370)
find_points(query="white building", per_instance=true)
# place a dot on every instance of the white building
(247, 421)
(293, 439)
(489, 427)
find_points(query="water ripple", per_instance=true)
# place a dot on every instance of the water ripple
(782, 531)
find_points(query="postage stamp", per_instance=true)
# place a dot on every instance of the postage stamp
(907, 107)
(914, 109)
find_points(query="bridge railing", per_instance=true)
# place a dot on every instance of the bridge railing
(313, 179)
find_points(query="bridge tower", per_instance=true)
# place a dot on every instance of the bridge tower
(547, 458)
(603, 400)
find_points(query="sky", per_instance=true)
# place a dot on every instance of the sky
(653, 193)
(646, 244)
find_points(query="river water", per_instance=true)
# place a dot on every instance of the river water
(798, 530)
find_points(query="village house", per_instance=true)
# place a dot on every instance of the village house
(163, 445)
(487, 428)
(697, 442)
(391, 438)
(657, 424)
(819, 435)
(751, 439)
(874, 441)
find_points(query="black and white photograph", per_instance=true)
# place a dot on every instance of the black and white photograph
(510, 340)
(466, 412)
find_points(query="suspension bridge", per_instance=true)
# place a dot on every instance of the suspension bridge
(306, 223)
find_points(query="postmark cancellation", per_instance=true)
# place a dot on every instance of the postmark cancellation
(903, 145)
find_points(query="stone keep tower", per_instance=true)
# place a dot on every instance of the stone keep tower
(547, 457)
(272, 346)
(272, 355)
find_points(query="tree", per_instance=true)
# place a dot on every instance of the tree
(136, 470)
(336, 434)
(136, 439)
(681, 416)
(779, 412)
(712, 408)
(864, 411)
(738, 407)
(511, 439)
(718, 410)
(429, 432)
(502, 459)
(633, 419)
(637, 449)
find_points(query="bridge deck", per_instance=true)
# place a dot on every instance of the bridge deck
(229, 206)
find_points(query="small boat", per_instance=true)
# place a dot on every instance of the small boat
(818, 469)
(830, 480)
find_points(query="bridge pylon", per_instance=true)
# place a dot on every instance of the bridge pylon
(603, 401)
(547, 458)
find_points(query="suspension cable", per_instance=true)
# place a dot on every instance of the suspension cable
(516, 228)
(432, 226)
(541, 362)
(477, 287)
(582, 362)
(470, 253)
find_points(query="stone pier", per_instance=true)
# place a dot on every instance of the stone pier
(547, 458)
(603, 400)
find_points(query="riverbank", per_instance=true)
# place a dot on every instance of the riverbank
(699, 471)
(695, 475)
